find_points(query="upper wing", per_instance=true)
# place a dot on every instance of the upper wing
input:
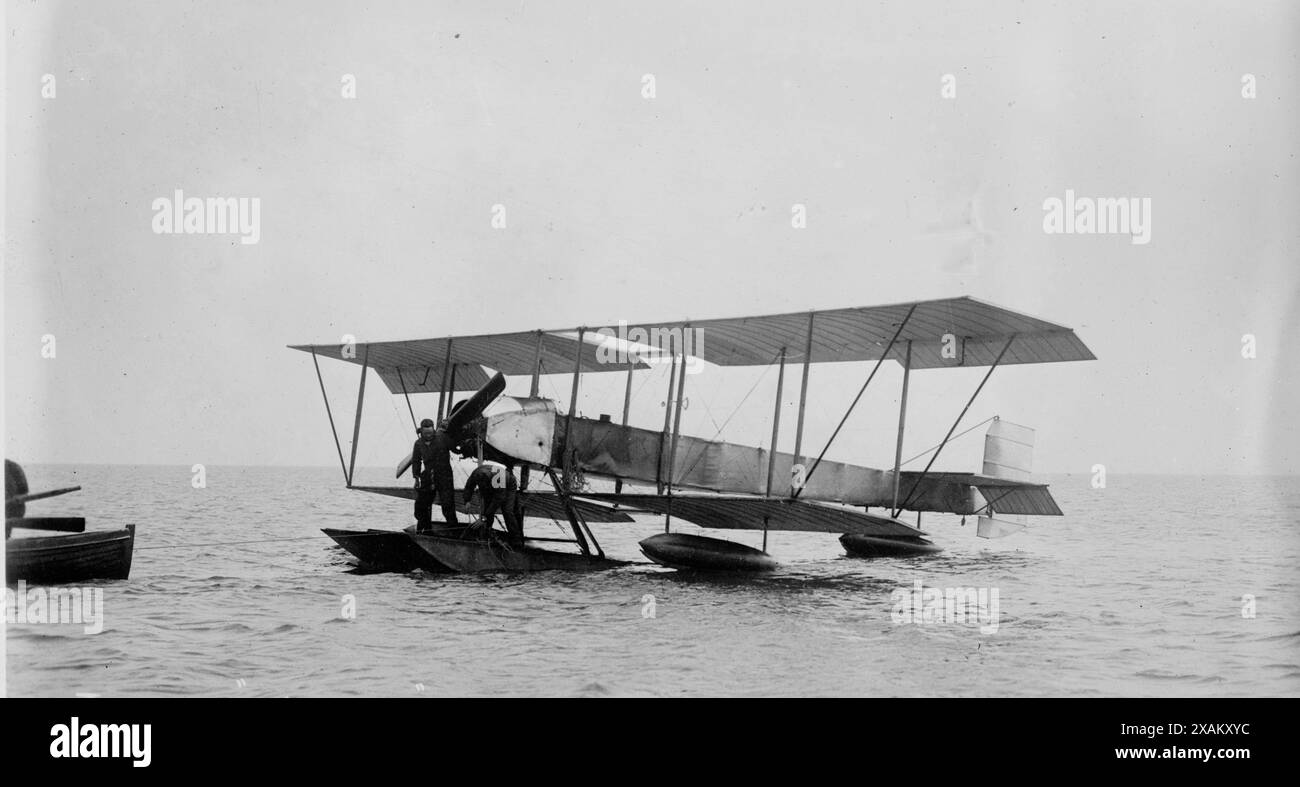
(421, 365)
(977, 329)
(973, 330)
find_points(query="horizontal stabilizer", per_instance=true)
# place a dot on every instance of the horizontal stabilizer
(1030, 499)
(972, 493)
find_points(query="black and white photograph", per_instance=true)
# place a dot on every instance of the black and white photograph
(652, 350)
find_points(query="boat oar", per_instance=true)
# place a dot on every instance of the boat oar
(62, 524)
(27, 498)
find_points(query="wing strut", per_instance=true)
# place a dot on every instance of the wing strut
(776, 427)
(843, 420)
(407, 396)
(532, 393)
(663, 436)
(442, 387)
(361, 398)
(627, 405)
(451, 391)
(537, 367)
(677, 433)
(776, 432)
(951, 429)
(338, 447)
(576, 521)
(573, 407)
(902, 420)
(803, 391)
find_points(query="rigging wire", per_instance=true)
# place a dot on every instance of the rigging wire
(228, 543)
(752, 388)
(704, 402)
(949, 440)
(554, 520)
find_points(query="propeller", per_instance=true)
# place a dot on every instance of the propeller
(467, 410)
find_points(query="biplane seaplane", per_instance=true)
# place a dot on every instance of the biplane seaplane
(709, 483)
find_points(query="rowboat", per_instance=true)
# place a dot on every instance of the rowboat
(70, 558)
(74, 557)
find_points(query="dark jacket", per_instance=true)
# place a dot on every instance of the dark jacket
(432, 459)
(483, 477)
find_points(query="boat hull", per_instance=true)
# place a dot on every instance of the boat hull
(887, 546)
(475, 556)
(685, 551)
(70, 558)
(385, 550)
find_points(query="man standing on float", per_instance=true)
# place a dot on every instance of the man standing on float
(431, 467)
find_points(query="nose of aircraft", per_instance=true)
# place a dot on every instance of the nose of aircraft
(525, 430)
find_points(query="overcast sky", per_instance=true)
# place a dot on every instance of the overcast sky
(376, 212)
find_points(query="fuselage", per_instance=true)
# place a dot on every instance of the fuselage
(532, 430)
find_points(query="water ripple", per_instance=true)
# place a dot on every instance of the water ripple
(1103, 602)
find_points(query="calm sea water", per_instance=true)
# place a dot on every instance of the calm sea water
(1139, 590)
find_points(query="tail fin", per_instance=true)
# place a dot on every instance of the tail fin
(1009, 451)
(1008, 454)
